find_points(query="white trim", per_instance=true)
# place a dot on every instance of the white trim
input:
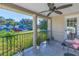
(71, 16)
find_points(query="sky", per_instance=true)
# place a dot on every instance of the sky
(10, 14)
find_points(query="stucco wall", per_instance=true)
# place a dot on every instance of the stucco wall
(58, 27)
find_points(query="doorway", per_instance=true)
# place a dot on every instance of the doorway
(71, 28)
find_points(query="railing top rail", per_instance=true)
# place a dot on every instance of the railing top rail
(21, 33)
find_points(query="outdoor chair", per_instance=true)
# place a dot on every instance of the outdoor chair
(66, 46)
(70, 46)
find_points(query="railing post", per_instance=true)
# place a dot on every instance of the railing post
(7, 44)
(49, 29)
(10, 45)
(3, 46)
(34, 30)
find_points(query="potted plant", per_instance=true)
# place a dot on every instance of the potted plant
(39, 40)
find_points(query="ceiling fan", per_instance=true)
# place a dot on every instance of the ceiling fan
(53, 8)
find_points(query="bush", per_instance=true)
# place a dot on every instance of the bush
(4, 33)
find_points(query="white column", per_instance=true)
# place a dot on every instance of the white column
(34, 30)
(50, 29)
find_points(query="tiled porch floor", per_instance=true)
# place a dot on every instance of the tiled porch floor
(54, 48)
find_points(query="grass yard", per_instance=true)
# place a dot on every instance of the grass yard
(9, 45)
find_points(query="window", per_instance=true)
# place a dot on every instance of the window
(71, 27)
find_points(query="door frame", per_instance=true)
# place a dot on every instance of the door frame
(65, 23)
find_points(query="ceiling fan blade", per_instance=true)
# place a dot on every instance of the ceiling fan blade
(58, 12)
(64, 6)
(44, 11)
(49, 13)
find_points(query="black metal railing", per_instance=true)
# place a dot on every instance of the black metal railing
(10, 45)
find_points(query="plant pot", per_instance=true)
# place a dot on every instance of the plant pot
(38, 47)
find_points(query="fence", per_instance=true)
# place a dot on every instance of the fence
(10, 45)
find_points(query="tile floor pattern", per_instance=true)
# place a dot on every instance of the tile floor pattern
(53, 48)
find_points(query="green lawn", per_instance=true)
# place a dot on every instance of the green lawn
(10, 45)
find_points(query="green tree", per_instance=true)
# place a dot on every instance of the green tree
(43, 24)
(11, 21)
(2, 20)
(27, 22)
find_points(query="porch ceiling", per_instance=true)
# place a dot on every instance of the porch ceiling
(38, 7)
